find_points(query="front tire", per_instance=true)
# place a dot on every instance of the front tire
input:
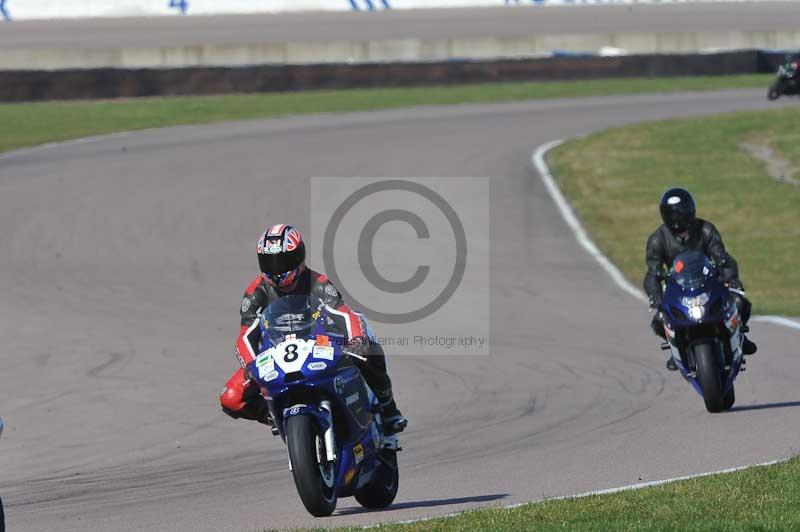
(774, 91)
(315, 479)
(729, 399)
(709, 376)
(382, 488)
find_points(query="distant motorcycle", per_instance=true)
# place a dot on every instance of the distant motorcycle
(787, 83)
(703, 329)
(323, 409)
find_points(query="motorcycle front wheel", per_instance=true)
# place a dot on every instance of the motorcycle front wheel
(709, 375)
(774, 91)
(314, 477)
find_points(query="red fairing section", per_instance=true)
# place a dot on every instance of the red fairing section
(232, 398)
(355, 327)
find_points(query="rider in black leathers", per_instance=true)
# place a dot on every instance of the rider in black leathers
(683, 231)
(792, 67)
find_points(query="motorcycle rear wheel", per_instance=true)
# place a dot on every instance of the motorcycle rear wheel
(709, 376)
(382, 488)
(314, 479)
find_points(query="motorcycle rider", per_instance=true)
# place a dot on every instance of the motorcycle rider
(792, 67)
(281, 259)
(683, 231)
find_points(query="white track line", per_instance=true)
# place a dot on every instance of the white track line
(586, 243)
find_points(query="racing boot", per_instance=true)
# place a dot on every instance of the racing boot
(374, 372)
(393, 419)
(748, 347)
(671, 365)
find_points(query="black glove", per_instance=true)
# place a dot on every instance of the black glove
(657, 324)
(655, 303)
(743, 305)
(359, 346)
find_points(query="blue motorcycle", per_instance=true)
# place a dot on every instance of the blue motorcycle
(703, 329)
(323, 409)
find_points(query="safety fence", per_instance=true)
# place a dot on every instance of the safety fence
(32, 85)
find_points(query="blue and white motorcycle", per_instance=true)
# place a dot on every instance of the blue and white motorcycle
(323, 409)
(703, 329)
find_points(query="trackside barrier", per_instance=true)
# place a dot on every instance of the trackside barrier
(32, 85)
(55, 9)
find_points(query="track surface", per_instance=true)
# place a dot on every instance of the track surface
(122, 261)
(432, 24)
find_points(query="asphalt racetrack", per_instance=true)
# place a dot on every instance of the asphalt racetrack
(122, 263)
(400, 24)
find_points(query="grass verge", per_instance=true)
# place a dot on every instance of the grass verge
(35, 123)
(615, 178)
(761, 498)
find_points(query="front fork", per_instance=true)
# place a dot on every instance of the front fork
(329, 436)
(325, 411)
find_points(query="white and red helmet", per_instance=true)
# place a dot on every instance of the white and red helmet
(281, 255)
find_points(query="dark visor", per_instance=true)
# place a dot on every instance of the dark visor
(275, 263)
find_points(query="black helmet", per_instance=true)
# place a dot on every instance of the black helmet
(281, 255)
(677, 209)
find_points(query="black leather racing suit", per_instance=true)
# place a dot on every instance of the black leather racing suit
(663, 247)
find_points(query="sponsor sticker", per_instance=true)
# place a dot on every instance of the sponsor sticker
(323, 340)
(358, 452)
(323, 351)
(348, 477)
(245, 304)
(265, 363)
(239, 357)
(674, 200)
(353, 398)
(317, 366)
(269, 376)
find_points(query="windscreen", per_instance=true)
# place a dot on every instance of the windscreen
(691, 270)
(291, 315)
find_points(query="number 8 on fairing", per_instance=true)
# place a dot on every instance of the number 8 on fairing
(183, 5)
(291, 353)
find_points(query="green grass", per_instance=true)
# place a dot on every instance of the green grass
(615, 178)
(756, 499)
(35, 123)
